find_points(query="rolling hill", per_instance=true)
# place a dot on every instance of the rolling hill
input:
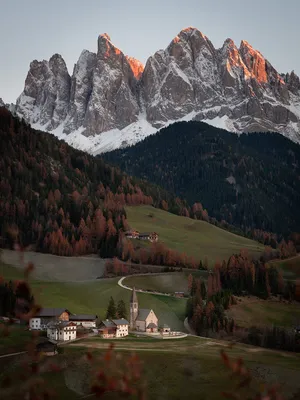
(250, 181)
(195, 238)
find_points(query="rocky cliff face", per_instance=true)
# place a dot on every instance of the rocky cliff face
(111, 100)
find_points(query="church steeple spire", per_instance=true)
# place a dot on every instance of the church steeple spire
(133, 296)
(134, 308)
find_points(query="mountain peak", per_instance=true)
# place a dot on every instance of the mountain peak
(191, 31)
(136, 66)
(254, 61)
(191, 79)
(228, 43)
(105, 36)
(105, 45)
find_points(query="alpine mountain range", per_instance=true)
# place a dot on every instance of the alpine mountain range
(112, 100)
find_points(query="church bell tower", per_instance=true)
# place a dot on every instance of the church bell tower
(134, 309)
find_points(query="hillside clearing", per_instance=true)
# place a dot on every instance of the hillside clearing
(49, 267)
(164, 282)
(290, 268)
(195, 238)
(251, 311)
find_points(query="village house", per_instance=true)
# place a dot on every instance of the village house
(114, 328)
(86, 320)
(165, 330)
(151, 236)
(133, 234)
(179, 294)
(142, 319)
(46, 346)
(46, 315)
(61, 330)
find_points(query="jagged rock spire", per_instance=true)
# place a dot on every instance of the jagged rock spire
(114, 101)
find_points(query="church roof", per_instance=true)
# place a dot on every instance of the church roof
(152, 325)
(143, 314)
(133, 296)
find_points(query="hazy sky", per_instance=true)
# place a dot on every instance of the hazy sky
(36, 29)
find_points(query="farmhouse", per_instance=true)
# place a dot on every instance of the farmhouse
(47, 347)
(61, 330)
(151, 236)
(40, 321)
(142, 319)
(86, 320)
(114, 328)
(133, 234)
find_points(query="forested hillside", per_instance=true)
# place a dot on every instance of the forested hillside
(251, 181)
(64, 201)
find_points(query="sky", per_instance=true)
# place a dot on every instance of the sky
(37, 29)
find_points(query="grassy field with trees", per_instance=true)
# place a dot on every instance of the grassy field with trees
(93, 297)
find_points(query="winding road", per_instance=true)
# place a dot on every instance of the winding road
(120, 283)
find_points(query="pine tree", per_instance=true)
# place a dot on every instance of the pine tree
(111, 309)
(121, 309)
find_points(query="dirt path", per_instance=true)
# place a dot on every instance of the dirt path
(13, 354)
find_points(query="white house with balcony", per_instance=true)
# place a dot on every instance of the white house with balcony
(115, 328)
(122, 327)
(61, 330)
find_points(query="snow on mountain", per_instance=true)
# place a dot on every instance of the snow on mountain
(112, 100)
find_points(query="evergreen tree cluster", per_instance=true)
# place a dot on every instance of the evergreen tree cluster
(116, 311)
(206, 307)
(250, 181)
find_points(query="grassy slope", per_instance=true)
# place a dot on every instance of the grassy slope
(253, 311)
(290, 267)
(195, 238)
(165, 283)
(186, 368)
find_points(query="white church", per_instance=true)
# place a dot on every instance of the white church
(142, 319)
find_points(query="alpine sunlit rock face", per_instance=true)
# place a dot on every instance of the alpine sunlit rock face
(112, 100)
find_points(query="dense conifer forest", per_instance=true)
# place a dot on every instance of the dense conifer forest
(61, 200)
(251, 181)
